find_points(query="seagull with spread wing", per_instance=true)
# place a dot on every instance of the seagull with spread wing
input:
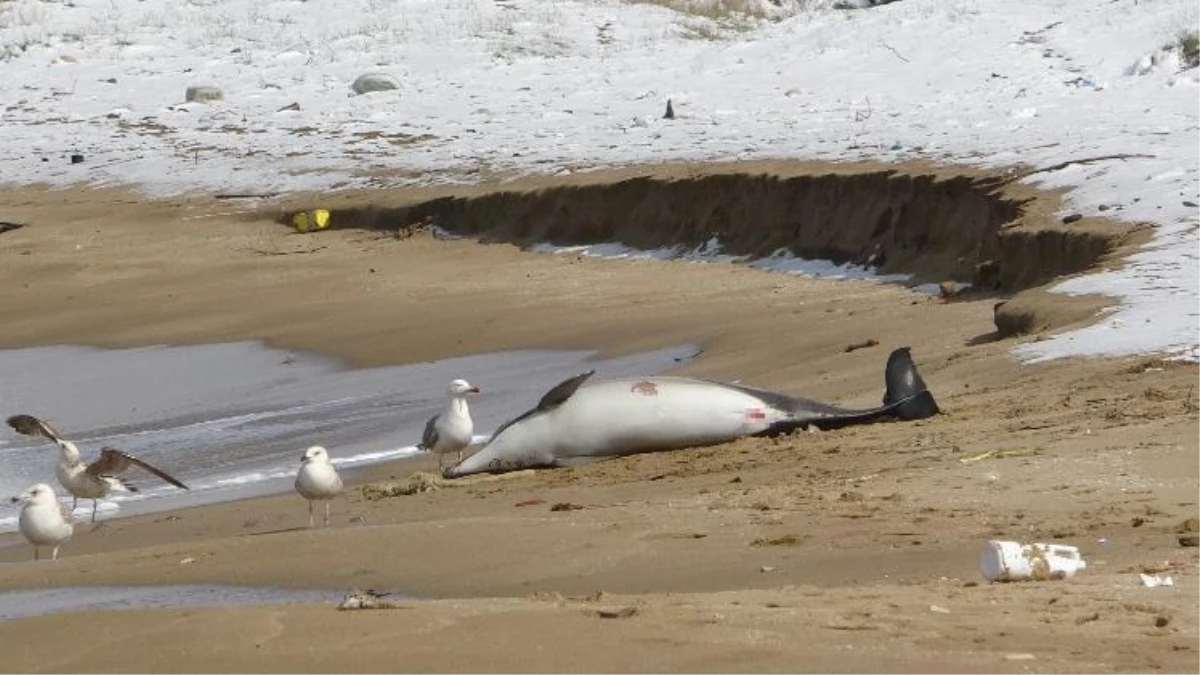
(88, 481)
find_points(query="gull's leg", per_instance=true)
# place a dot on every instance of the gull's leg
(460, 456)
(95, 506)
(54, 556)
(328, 503)
(35, 553)
(310, 513)
(74, 502)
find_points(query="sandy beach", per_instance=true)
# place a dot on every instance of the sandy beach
(845, 551)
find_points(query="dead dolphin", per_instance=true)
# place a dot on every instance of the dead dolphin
(574, 424)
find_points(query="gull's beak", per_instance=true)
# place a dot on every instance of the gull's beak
(474, 390)
(15, 500)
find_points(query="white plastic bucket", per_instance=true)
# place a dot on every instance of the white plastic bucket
(1014, 561)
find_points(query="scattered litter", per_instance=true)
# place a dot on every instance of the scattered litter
(616, 612)
(1156, 580)
(766, 568)
(530, 502)
(938, 609)
(370, 599)
(1013, 561)
(187, 561)
(1019, 657)
(566, 506)
(9, 227)
(203, 93)
(1001, 454)
(1189, 540)
(310, 221)
(785, 540)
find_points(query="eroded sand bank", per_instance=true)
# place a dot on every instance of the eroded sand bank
(851, 550)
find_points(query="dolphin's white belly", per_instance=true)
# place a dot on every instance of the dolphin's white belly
(625, 416)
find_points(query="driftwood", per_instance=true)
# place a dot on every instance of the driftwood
(248, 195)
(302, 251)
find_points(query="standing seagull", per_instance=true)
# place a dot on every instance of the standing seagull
(87, 481)
(44, 520)
(452, 429)
(317, 480)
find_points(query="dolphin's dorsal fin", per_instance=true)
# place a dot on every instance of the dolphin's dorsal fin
(562, 391)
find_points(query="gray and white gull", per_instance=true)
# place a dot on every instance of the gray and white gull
(88, 480)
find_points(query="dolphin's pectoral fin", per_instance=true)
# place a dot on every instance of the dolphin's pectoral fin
(562, 391)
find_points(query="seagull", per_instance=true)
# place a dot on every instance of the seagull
(88, 481)
(452, 429)
(44, 520)
(317, 480)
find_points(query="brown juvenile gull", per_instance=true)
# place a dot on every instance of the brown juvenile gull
(317, 480)
(44, 520)
(88, 481)
(451, 430)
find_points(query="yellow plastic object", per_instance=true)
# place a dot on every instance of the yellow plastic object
(310, 221)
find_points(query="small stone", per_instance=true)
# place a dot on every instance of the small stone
(949, 289)
(1190, 540)
(1161, 621)
(369, 82)
(1191, 205)
(616, 612)
(203, 93)
(1067, 220)
(766, 568)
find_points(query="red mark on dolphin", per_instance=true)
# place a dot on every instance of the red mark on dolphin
(755, 414)
(645, 388)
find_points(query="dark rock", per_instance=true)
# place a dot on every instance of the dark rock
(1067, 220)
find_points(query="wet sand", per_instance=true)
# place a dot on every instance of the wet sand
(851, 550)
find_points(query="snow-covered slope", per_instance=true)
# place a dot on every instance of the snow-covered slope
(555, 85)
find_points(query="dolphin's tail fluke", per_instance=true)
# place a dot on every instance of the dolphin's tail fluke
(906, 398)
(906, 389)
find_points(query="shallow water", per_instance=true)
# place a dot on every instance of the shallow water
(232, 420)
(25, 603)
